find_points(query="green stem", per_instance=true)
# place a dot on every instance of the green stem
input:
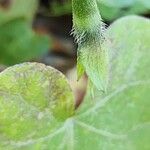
(85, 14)
(88, 33)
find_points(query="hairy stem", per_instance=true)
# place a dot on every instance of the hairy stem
(88, 30)
(85, 14)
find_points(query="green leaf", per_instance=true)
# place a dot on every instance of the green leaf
(118, 120)
(118, 3)
(112, 9)
(19, 43)
(18, 9)
(34, 99)
(59, 8)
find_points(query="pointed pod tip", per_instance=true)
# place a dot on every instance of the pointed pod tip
(101, 86)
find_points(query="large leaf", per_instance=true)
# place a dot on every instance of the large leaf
(18, 43)
(34, 99)
(118, 120)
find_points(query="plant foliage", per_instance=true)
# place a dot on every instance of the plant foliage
(18, 43)
(119, 120)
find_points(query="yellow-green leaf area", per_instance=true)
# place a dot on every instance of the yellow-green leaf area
(34, 99)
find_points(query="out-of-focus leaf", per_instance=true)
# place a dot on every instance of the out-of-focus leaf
(18, 43)
(34, 99)
(18, 9)
(112, 9)
(59, 9)
(118, 3)
(146, 3)
(108, 13)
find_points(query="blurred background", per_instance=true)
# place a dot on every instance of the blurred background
(39, 30)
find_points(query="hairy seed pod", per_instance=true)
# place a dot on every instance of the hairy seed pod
(88, 30)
